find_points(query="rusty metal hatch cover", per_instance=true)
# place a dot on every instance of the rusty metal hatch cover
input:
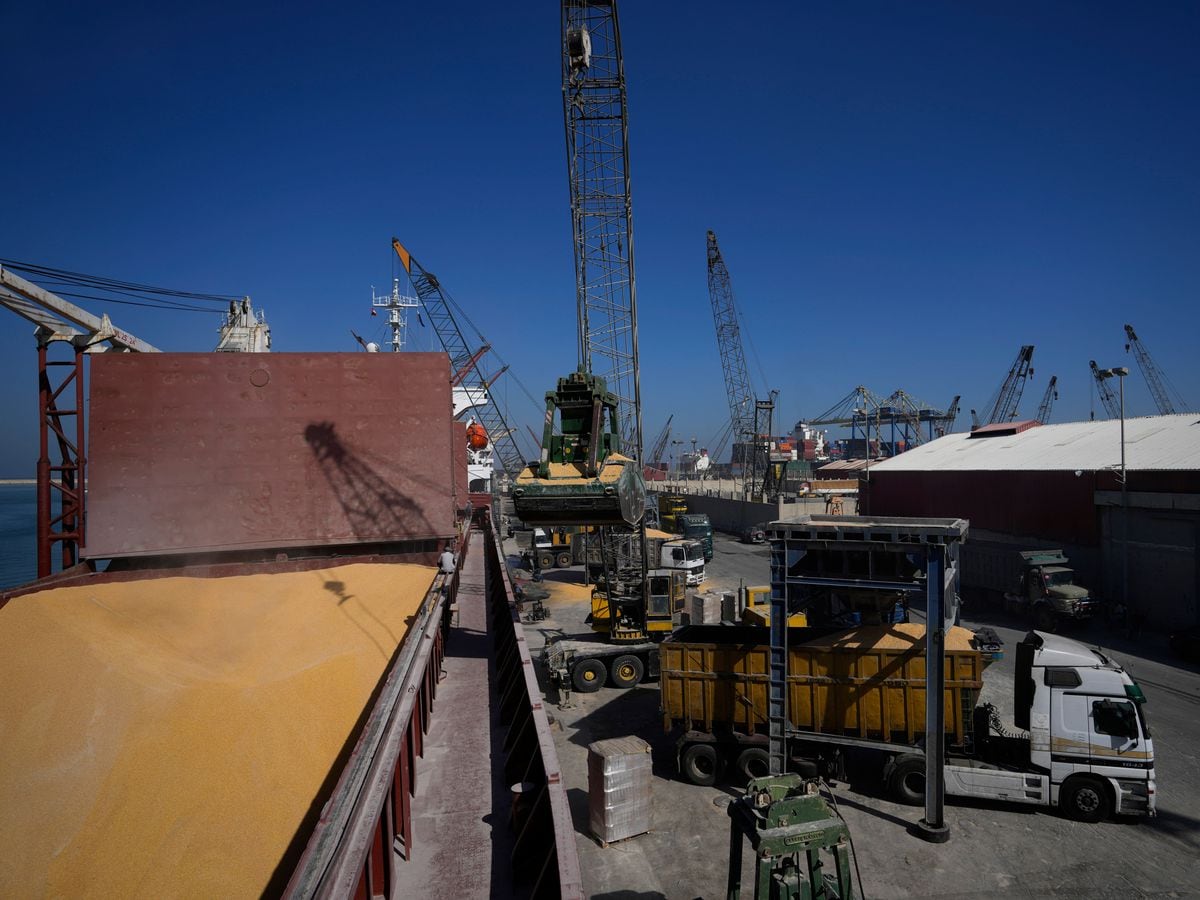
(198, 452)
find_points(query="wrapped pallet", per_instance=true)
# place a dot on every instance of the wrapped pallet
(619, 777)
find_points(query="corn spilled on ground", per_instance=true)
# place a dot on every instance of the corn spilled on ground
(168, 737)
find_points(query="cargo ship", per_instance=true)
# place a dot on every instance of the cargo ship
(257, 679)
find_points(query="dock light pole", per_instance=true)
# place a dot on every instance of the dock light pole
(1119, 373)
(866, 452)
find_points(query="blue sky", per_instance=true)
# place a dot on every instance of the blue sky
(904, 193)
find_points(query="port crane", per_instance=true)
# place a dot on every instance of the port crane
(1107, 396)
(946, 424)
(466, 364)
(591, 474)
(729, 345)
(654, 457)
(1003, 405)
(1155, 379)
(1048, 398)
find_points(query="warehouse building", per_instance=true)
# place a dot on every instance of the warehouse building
(1024, 485)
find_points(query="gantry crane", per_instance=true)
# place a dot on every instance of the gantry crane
(1048, 398)
(1003, 405)
(1155, 379)
(466, 365)
(1107, 397)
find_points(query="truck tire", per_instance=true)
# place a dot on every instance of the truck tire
(588, 676)
(1044, 619)
(545, 559)
(1085, 799)
(699, 764)
(563, 560)
(906, 783)
(753, 762)
(627, 671)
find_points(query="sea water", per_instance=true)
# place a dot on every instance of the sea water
(18, 534)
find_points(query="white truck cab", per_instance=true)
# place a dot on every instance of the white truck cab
(1088, 749)
(684, 555)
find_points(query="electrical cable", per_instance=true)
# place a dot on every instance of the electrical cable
(103, 282)
(853, 853)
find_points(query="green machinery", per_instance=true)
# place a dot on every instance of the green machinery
(582, 477)
(790, 828)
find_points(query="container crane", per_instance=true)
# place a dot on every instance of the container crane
(1155, 379)
(1109, 399)
(1006, 401)
(1048, 398)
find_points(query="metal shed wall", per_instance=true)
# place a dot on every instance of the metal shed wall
(200, 452)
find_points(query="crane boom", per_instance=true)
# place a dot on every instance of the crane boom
(660, 443)
(1008, 398)
(597, 126)
(1107, 397)
(947, 423)
(1048, 398)
(1155, 380)
(729, 344)
(464, 362)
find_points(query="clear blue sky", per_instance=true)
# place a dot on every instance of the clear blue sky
(904, 193)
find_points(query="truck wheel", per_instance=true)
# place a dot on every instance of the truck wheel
(907, 780)
(627, 671)
(753, 762)
(1045, 620)
(1085, 799)
(589, 676)
(545, 559)
(699, 764)
(563, 560)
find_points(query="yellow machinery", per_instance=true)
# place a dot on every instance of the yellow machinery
(756, 608)
(667, 594)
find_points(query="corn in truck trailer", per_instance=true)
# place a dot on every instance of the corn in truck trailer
(1087, 749)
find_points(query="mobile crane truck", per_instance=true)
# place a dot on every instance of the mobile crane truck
(583, 479)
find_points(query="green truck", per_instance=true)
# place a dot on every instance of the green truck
(697, 527)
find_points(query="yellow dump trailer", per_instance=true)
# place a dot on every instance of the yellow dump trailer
(866, 685)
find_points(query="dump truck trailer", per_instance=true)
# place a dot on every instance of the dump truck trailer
(1087, 749)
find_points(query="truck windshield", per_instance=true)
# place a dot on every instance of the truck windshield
(1055, 579)
(694, 552)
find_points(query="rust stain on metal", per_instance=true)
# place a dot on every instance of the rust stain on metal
(198, 452)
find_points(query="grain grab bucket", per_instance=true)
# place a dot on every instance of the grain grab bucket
(582, 477)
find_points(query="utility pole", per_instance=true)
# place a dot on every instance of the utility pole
(1119, 373)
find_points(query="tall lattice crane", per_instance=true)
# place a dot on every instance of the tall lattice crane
(1048, 398)
(597, 124)
(1003, 405)
(466, 365)
(729, 345)
(1155, 379)
(1107, 397)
